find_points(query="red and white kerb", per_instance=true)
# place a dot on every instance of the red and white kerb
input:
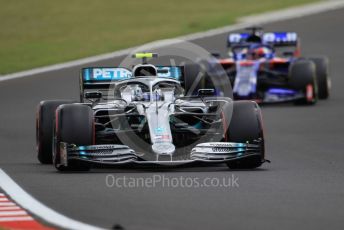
(13, 217)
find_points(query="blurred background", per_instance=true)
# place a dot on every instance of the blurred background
(36, 33)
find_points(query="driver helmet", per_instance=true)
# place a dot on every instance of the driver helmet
(257, 53)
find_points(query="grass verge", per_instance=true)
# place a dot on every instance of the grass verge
(36, 33)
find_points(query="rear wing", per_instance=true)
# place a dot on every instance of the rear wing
(279, 39)
(276, 39)
(237, 38)
(101, 78)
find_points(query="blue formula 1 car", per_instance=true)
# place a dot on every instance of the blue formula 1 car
(267, 67)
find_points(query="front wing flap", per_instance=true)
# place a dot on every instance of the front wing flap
(209, 152)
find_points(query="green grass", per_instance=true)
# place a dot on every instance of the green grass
(36, 33)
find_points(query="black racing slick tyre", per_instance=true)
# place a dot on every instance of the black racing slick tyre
(206, 75)
(322, 76)
(44, 129)
(194, 77)
(245, 126)
(302, 77)
(74, 124)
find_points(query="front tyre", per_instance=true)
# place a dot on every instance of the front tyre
(322, 76)
(245, 126)
(302, 77)
(74, 124)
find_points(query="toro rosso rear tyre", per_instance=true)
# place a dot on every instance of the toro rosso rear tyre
(44, 129)
(322, 76)
(244, 126)
(74, 124)
(302, 77)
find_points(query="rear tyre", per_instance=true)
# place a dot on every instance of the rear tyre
(44, 129)
(206, 75)
(302, 77)
(322, 76)
(245, 125)
(74, 124)
(194, 76)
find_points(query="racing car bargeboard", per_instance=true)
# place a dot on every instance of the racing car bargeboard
(143, 117)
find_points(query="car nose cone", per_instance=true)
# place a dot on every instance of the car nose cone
(163, 148)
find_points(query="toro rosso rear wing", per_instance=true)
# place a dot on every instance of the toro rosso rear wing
(276, 39)
(101, 78)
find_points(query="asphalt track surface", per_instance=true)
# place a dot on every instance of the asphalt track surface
(301, 189)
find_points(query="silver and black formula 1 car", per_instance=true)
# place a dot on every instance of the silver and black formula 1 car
(267, 67)
(143, 117)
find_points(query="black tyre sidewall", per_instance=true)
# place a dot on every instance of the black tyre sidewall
(193, 72)
(44, 128)
(245, 125)
(301, 74)
(74, 124)
(322, 76)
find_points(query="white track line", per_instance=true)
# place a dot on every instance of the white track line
(289, 13)
(294, 12)
(29, 203)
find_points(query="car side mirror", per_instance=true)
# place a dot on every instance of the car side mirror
(206, 92)
(93, 95)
